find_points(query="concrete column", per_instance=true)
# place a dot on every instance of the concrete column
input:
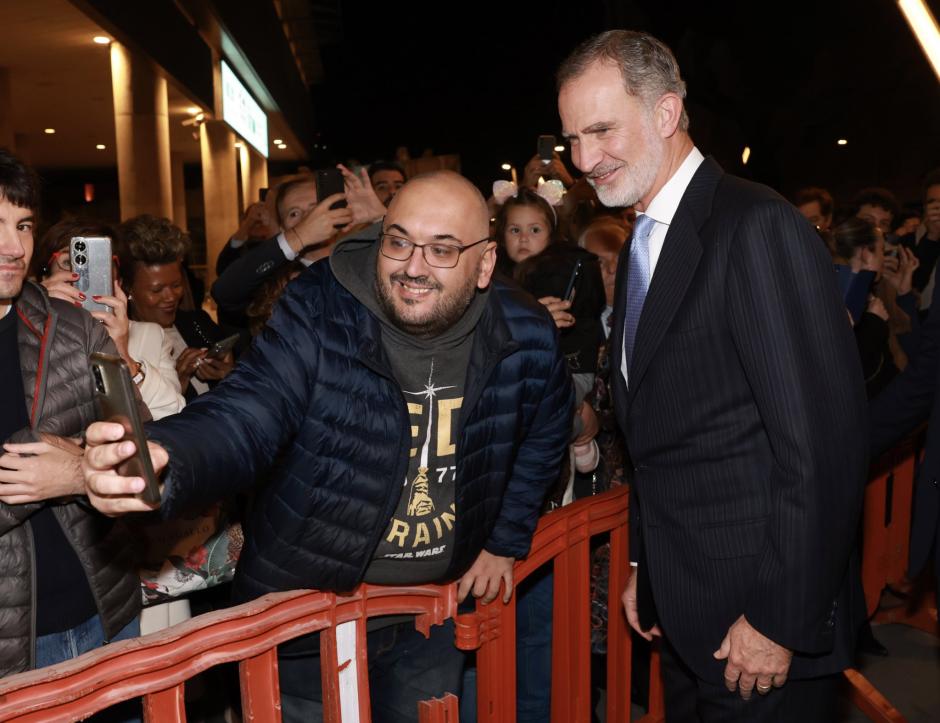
(142, 134)
(179, 190)
(7, 139)
(254, 171)
(219, 188)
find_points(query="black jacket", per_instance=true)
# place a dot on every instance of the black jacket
(315, 398)
(745, 420)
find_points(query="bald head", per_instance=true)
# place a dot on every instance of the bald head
(451, 193)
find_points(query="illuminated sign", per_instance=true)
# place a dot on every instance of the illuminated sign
(241, 111)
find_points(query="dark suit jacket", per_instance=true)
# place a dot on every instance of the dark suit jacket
(907, 402)
(746, 424)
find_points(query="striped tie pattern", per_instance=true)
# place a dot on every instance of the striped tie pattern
(638, 281)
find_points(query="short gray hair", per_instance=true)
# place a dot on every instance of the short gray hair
(648, 67)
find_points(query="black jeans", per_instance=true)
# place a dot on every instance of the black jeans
(404, 668)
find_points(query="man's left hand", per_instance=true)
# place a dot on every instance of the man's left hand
(753, 660)
(39, 471)
(483, 578)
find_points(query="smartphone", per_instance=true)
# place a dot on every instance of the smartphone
(573, 281)
(117, 403)
(223, 347)
(330, 181)
(91, 260)
(546, 148)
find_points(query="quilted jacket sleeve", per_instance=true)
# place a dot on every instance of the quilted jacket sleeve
(222, 442)
(537, 464)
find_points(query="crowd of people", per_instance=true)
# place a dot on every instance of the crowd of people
(402, 378)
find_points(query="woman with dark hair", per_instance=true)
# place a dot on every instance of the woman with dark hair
(142, 345)
(262, 306)
(177, 560)
(890, 314)
(151, 252)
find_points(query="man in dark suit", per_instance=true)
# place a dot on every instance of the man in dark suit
(740, 397)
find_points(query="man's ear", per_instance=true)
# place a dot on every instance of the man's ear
(487, 265)
(667, 114)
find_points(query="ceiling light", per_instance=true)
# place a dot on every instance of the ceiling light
(925, 28)
(842, 142)
(239, 144)
(278, 141)
(102, 39)
(200, 117)
(282, 146)
(506, 166)
(559, 149)
(101, 146)
(49, 131)
(192, 110)
(745, 154)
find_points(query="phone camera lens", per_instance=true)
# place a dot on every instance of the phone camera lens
(79, 245)
(99, 381)
(80, 260)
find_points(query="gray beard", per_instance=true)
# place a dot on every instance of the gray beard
(638, 178)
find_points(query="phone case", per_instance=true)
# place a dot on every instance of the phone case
(91, 260)
(117, 403)
(546, 147)
(330, 181)
(222, 347)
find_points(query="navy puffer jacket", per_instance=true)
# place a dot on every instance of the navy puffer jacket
(314, 409)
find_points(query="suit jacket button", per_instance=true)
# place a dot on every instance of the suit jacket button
(934, 482)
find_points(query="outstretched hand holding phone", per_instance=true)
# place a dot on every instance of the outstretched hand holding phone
(108, 491)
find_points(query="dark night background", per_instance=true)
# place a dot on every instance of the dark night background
(786, 79)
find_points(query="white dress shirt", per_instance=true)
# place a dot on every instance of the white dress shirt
(661, 209)
(288, 252)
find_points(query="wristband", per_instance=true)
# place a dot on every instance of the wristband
(140, 375)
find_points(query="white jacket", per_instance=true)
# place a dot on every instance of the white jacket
(160, 389)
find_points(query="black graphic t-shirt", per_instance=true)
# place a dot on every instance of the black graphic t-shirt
(421, 532)
(417, 544)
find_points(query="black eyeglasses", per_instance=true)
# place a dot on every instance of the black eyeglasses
(438, 255)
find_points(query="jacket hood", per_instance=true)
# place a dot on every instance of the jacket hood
(353, 263)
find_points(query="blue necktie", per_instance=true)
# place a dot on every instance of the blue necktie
(638, 282)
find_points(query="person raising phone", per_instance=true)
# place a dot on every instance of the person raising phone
(151, 252)
(310, 220)
(141, 344)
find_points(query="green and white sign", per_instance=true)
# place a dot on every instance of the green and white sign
(242, 112)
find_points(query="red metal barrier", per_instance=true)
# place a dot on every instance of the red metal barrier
(156, 667)
(887, 531)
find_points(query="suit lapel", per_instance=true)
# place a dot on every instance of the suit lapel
(675, 268)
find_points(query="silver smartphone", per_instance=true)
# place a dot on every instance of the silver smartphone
(118, 403)
(90, 257)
